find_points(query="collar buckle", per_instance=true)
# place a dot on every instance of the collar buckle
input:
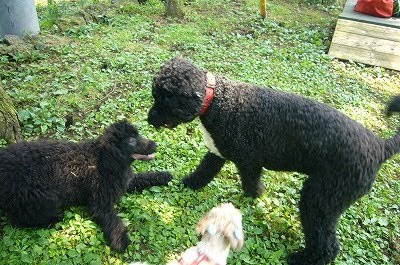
(211, 84)
(210, 80)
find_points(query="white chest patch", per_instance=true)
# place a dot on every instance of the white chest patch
(209, 142)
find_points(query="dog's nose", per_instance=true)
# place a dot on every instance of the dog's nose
(151, 116)
(151, 121)
(154, 118)
(152, 145)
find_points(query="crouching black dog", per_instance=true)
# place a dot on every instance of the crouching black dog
(38, 179)
(258, 127)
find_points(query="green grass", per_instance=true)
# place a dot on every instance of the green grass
(102, 71)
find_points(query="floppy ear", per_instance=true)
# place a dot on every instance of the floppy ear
(235, 236)
(203, 224)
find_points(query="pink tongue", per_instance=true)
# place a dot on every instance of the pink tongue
(143, 157)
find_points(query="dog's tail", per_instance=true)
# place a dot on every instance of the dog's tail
(392, 145)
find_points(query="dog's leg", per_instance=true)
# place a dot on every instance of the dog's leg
(113, 228)
(205, 172)
(145, 180)
(40, 216)
(318, 221)
(251, 183)
(34, 211)
(323, 199)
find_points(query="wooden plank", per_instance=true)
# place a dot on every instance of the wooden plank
(365, 56)
(366, 39)
(349, 14)
(366, 42)
(371, 30)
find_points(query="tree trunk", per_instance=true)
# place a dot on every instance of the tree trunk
(9, 126)
(18, 17)
(174, 8)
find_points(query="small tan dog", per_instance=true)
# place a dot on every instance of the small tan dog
(221, 229)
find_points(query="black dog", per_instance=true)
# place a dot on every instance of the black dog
(38, 179)
(258, 127)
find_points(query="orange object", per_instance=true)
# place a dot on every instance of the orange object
(377, 8)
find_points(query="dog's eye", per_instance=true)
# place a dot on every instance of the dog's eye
(132, 141)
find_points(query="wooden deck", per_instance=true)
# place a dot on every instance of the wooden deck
(366, 39)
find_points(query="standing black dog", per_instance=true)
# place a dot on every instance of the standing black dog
(38, 179)
(258, 127)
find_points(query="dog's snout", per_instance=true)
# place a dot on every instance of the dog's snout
(152, 145)
(156, 118)
(149, 145)
(151, 119)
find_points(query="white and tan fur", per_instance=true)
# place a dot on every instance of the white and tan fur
(221, 230)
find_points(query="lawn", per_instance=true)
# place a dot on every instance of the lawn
(95, 61)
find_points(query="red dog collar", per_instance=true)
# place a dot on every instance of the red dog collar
(209, 92)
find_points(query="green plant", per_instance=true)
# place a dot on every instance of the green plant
(41, 119)
(51, 15)
(3, 142)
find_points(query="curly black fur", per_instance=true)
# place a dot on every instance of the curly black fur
(40, 178)
(258, 127)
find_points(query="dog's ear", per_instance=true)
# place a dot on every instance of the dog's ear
(203, 224)
(233, 232)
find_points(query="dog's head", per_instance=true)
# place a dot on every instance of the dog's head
(224, 220)
(393, 106)
(124, 140)
(178, 92)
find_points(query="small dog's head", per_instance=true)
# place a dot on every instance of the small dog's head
(224, 220)
(178, 92)
(123, 139)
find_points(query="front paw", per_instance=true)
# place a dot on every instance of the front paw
(296, 258)
(119, 241)
(165, 177)
(254, 192)
(304, 257)
(194, 183)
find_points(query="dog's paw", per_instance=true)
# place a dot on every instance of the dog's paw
(54, 220)
(165, 177)
(310, 258)
(254, 192)
(120, 242)
(302, 257)
(296, 258)
(193, 182)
